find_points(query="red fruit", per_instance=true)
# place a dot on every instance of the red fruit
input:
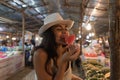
(70, 39)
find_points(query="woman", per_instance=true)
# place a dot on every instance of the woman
(52, 58)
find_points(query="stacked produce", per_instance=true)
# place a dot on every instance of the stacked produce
(95, 70)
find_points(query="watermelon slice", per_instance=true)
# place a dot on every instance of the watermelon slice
(70, 39)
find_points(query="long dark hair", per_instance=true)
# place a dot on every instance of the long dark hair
(49, 45)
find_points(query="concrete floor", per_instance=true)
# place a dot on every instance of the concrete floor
(23, 74)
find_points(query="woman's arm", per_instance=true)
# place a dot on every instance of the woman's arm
(40, 58)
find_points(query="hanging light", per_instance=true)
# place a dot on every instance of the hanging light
(77, 38)
(7, 37)
(88, 27)
(88, 40)
(106, 41)
(79, 32)
(90, 34)
(93, 34)
(100, 41)
(36, 38)
(87, 37)
(13, 38)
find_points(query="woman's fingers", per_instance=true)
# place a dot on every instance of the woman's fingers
(72, 52)
(72, 49)
(74, 56)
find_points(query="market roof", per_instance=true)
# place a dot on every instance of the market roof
(95, 12)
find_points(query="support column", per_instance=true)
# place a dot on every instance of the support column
(114, 39)
(23, 31)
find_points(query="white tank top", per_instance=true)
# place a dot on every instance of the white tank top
(68, 73)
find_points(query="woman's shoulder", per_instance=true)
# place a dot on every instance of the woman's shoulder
(40, 53)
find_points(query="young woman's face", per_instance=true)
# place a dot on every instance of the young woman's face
(60, 31)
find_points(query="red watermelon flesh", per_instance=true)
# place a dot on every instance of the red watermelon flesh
(70, 39)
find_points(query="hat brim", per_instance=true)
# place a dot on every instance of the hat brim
(43, 28)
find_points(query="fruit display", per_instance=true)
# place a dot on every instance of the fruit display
(2, 55)
(10, 51)
(95, 71)
(90, 55)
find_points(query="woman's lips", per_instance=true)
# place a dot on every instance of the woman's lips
(62, 40)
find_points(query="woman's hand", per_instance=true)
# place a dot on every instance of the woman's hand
(74, 77)
(72, 53)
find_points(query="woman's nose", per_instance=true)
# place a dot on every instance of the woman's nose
(64, 31)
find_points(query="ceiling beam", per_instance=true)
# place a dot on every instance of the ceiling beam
(47, 12)
(96, 16)
(19, 10)
(99, 8)
(68, 4)
(72, 12)
(43, 5)
(33, 25)
(98, 1)
(10, 6)
(1, 22)
(8, 20)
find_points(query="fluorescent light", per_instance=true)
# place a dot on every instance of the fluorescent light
(1, 29)
(92, 18)
(37, 10)
(24, 5)
(18, 1)
(32, 2)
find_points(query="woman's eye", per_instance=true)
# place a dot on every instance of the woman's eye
(66, 29)
(59, 29)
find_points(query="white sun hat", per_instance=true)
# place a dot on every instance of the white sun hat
(54, 19)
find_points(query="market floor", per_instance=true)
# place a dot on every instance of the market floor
(24, 74)
(28, 74)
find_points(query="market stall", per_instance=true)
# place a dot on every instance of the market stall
(10, 63)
